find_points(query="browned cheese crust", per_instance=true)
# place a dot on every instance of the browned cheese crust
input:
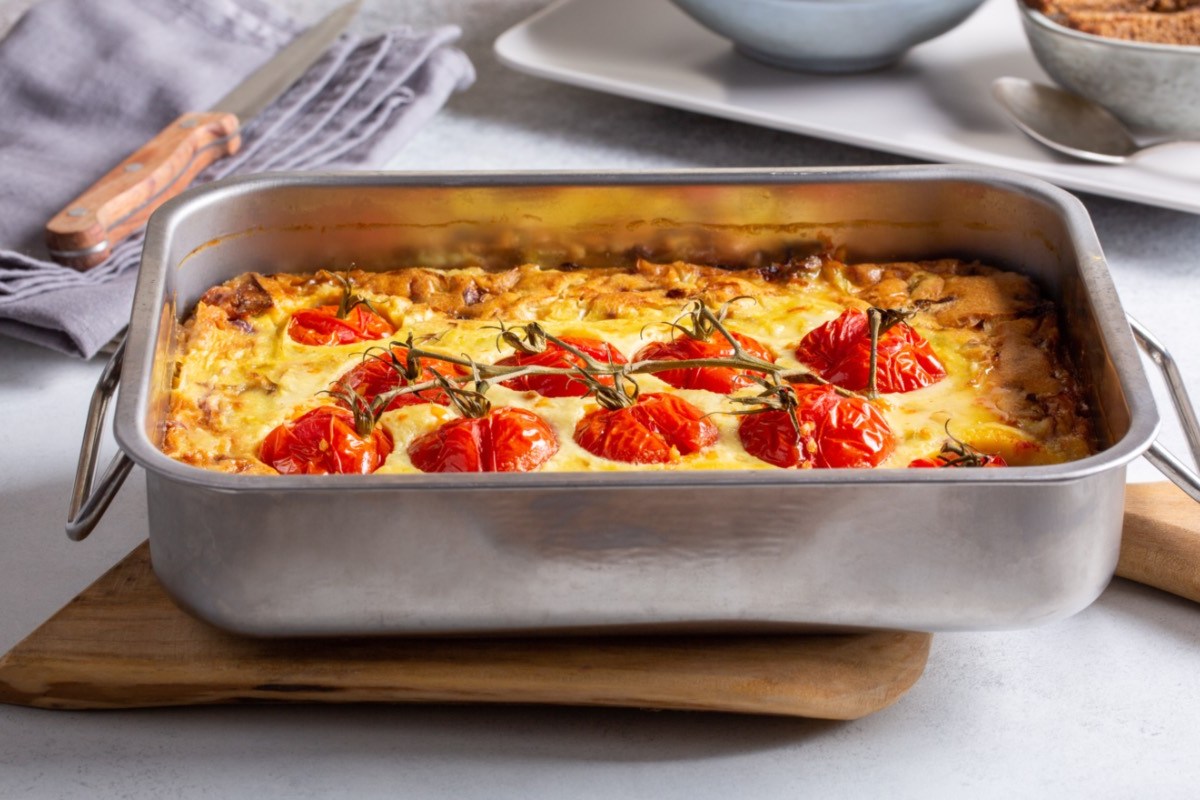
(997, 335)
(1029, 379)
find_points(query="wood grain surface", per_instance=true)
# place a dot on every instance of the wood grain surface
(123, 643)
(1160, 543)
(121, 201)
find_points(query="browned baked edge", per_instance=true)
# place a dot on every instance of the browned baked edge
(1028, 380)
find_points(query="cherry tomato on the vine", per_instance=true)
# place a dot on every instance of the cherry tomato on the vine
(840, 352)
(560, 358)
(324, 441)
(722, 380)
(322, 326)
(374, 376)
(502, 440)
(949, 459)
(657, 429)
(835, 431)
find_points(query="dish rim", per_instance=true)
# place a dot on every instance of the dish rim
(149, 299)
(1038, 18)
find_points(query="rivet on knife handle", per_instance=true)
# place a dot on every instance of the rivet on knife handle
(83, 234)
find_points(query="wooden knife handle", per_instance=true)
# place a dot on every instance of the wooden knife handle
(1160, 544)
(83, 234)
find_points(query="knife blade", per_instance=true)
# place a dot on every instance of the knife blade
(84, 233)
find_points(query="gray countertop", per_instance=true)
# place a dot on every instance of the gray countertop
(1104, 704)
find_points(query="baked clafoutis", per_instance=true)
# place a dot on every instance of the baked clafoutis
(809, 364)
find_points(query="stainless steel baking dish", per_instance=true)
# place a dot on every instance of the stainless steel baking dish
(738, 550)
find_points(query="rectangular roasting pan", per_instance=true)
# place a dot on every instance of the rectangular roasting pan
(624, 552)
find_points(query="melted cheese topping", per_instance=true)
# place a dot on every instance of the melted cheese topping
(1007, 391)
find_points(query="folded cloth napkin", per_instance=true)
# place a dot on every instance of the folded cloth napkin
(83, 83)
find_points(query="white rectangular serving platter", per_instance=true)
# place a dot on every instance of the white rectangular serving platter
(936, 104)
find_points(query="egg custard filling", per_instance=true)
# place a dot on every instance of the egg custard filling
(809, 364)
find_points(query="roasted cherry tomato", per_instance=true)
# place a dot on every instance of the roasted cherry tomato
(966, 457)
(374, 376)
(835, 431)
(503, 440)
(722, 380)
(655, 430)
(322, 326)
(555, 356)
(840, 352)
(324, 441)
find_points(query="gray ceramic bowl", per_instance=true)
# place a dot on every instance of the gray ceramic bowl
(1154, 87)
(828, 35)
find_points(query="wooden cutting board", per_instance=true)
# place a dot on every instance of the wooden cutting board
(123, 643)
(1160, 542)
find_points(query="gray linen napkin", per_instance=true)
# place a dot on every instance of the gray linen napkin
(83, 83)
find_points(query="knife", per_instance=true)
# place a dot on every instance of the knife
(84, 233)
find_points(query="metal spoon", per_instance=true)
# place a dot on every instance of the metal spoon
(1067, 122)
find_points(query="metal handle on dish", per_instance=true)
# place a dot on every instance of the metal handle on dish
(1170, 465)
(87, 507)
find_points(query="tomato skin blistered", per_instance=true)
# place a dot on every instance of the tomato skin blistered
(503, 440)
(941, 461)
(840, 352)
(722, 380)
(375, 376)
(324, 441)
(835, 431)
(321, 326)
(657, 429)
(560, 358)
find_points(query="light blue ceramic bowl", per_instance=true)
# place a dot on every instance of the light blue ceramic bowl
(828, 35)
